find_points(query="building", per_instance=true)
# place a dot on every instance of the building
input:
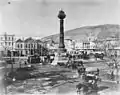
(85, 45)
(51, 45)
(29, 46)
(82, 44)
(20, 47)
(69, 44)
(7, 42)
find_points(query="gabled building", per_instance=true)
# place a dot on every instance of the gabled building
(29, 46)
(7, 41)
(82, 44)
(51, 45)
(20, 47)
(69, 44)
(7, 44)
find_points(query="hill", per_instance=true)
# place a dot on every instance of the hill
(82, 33)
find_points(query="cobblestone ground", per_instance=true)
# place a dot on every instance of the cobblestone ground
(55, 80)
(50, 77)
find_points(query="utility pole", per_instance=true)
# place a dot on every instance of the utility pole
(12, 54)
(5, 76)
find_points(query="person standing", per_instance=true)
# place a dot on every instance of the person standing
(112, 75)
(98, 71)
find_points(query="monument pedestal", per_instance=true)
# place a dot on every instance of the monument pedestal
(62, 59)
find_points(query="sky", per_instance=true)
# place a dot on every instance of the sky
(39, 17)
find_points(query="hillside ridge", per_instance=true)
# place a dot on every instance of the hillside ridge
(82, 33)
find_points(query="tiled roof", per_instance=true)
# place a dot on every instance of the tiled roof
(85, 41)
(29, 40)
(38, 41)
(19, 40)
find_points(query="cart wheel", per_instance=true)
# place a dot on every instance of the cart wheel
(95, 87)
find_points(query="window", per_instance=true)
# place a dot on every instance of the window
(26, 52)
(21, 53)
(12, 39)
(5, 38)
(18, 45)
(35, 46)
(9, 43)
(26, 46)
(21, 45)
(29, 46)
(5, 43)
(9, 38)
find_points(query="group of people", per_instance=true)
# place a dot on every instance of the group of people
(47, 59)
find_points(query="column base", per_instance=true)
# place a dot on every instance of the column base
(62, 58)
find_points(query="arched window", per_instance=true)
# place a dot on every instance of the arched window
(18, 45)
(29, 45)
(21, 45)
(25, 45)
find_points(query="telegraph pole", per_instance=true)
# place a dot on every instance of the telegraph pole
(12, 54)
(5, 75)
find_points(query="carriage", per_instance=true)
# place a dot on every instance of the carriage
(34, 59)
(81, 70)
(89, 83)
(74, 64)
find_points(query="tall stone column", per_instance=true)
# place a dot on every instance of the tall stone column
(60, 56)
(61, 16)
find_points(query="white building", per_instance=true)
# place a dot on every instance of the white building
(7, 41)
(29, 46)
(82, 44)
(69, 44)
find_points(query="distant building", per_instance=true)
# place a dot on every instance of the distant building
(86, 45)
(82, 45)
(51, 45)
(78, 44)
(69, 44)
(20, 47)
(30, 46)
(7, 41)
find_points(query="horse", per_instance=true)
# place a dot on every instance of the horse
(82, 88)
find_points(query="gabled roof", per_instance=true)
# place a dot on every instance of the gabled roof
(29, 40)
(85, 41)
(19, 40)
(39, 41)
(68, 39)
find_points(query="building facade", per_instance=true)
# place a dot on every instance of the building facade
(69, 44)
(7, 43)
(29, 46)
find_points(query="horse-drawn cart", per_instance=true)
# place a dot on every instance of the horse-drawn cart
(74, 64)
(89, 83)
